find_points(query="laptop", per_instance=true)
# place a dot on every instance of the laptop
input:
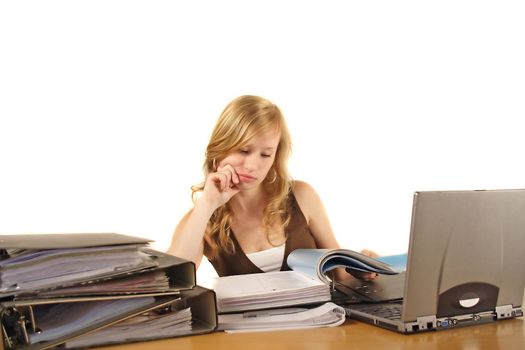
(466, 264)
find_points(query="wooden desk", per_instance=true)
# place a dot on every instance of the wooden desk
(507, 334)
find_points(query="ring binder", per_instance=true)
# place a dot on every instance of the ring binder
(6, 339)
(180, 273)
(19, 324)
(28, 324)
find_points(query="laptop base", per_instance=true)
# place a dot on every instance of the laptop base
(385, 317)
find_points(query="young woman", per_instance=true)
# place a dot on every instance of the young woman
(249, 214)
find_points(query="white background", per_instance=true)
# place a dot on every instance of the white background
(106, 106)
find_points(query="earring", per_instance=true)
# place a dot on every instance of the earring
(274, 177)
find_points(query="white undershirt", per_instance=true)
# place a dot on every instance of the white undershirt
(269, 259)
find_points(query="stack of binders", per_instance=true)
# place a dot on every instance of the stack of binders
(84, 290)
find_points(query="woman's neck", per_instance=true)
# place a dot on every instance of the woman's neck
(249, 201)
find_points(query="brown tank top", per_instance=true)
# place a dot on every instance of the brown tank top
(298, 235)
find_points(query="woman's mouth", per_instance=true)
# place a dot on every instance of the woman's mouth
(246, 178)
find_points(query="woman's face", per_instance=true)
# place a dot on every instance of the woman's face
(253, 161)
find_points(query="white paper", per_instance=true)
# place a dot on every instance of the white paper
(41, 269)
(268, 290)
(140, 327)
(326, 315)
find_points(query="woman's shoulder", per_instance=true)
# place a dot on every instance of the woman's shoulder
(306, 197)
(302, 189)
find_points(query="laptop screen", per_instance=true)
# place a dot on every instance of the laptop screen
(466, 253)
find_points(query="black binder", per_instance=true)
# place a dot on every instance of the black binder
(181, 273)
(19, 323)
(23, 312)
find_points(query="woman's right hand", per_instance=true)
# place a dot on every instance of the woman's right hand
(220, 186)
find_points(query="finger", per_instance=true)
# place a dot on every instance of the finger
(231, 170)
(365, 252)
(369, 253)
(225, 172)
(369, 276)
(221, 181)
(233, 190)
(364, 277)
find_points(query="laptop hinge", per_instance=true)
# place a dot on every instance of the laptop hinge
(507, 311)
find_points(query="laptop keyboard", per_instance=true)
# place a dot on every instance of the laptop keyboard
(390, 311)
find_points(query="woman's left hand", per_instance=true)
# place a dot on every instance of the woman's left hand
(366, 276)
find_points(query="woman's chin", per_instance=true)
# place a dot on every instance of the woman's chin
(244, 186)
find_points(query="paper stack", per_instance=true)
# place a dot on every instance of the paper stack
(268, 290)
(268, 301)
(326, 315)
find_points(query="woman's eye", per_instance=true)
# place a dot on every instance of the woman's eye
(266, 155)
(243, 151)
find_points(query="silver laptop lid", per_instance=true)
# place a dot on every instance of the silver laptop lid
(466, 253)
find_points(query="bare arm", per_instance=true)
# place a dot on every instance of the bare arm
(316, 216)
(187, 241)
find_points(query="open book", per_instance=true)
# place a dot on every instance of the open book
(307, 284)
(317, 263)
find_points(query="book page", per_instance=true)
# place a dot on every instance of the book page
(318, 262)
(267, 290)
(306, 261)
(260, 283)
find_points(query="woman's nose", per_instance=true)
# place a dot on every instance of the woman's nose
(250, 162)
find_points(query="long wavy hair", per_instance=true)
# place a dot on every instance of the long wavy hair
(242, 119)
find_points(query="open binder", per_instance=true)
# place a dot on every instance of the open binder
(24, 323)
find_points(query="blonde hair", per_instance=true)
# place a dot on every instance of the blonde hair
(242, 119)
